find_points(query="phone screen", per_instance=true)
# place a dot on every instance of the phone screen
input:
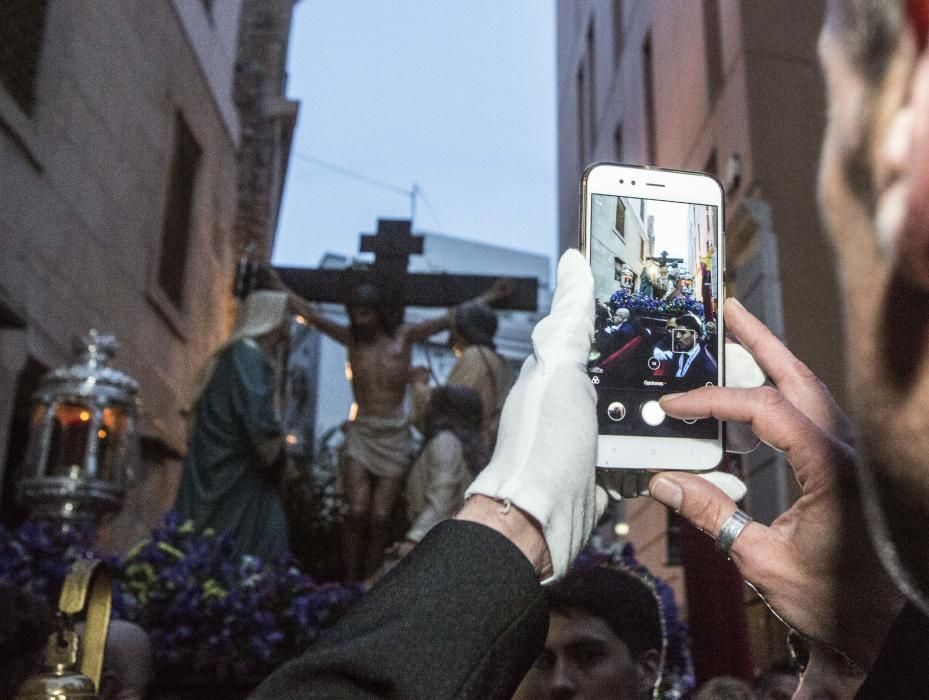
(656, 282)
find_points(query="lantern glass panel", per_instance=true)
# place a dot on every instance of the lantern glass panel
(111, 444)
(31, 466)
(69, 440)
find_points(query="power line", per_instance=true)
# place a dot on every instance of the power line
(354, 175)
(412, 194)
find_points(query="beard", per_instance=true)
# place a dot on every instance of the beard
(887, 324)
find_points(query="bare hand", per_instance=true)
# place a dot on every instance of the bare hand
(815, 565)
(499, 290)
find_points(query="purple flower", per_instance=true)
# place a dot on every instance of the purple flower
(205, 612)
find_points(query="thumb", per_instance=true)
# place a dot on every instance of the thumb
(707, 507)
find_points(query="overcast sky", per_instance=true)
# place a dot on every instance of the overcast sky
(457, 97)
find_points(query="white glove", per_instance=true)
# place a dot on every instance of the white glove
(544, 462)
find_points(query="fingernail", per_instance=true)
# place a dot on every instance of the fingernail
(667, 492)
(734, 302)
(669, 397)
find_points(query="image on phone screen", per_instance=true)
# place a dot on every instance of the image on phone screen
(656, 284)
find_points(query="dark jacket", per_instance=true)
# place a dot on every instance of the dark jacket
(902, 669)
(463, 616)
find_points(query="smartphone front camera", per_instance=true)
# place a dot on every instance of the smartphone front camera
(621, 182)
(633, 182)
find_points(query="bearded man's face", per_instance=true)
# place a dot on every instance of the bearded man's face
(873, 183)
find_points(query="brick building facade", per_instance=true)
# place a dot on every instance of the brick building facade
(732, 88)
(134, 141)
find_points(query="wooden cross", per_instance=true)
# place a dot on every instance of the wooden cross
(663, 260)
(392, 246)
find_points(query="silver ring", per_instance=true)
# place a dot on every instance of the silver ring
(731, 529)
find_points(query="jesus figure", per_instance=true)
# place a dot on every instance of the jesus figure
(377, 451)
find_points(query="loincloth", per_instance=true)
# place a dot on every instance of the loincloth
(381, 445)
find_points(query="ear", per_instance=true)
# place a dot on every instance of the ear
(648, 664)
(902, 157)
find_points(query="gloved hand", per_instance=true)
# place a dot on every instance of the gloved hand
(547, 444)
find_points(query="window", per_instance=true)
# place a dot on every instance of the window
(649, 100)
(617, 30)
(712, 39)
(618, 266)
(619, 222)
(22, 25)
(176, 234)
(642, 249)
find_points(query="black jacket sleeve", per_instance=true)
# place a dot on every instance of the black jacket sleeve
(902, 669)
(462, 616)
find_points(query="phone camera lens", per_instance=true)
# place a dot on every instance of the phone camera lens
(633, 182)
(621, 182)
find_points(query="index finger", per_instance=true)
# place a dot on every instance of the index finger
(772, 417)
(795, 380)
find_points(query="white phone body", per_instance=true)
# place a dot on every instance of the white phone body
(659, 327)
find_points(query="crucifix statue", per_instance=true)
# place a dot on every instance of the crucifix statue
(660, 278)
(376, 454)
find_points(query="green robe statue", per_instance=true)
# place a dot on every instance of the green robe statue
(224, 486)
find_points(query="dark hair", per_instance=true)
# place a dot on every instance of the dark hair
(870, 32)
(622, 600)
(477, 322)
(370, 296)
(457, 408)
(725, 688)
(689, 321)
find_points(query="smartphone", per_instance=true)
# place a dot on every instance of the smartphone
(654, 241)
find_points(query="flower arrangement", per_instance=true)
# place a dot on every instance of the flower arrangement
(646, 304)
(678, 679)
(37, 555)
(206, 613)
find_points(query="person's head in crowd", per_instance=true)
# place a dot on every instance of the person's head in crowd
(458, 409)
(778, 681)
(621, 316)
(475, 324)
(602, 315)
(874, 191)
(604, 639)
(686, 333)
(725, 688)
(367, 313)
